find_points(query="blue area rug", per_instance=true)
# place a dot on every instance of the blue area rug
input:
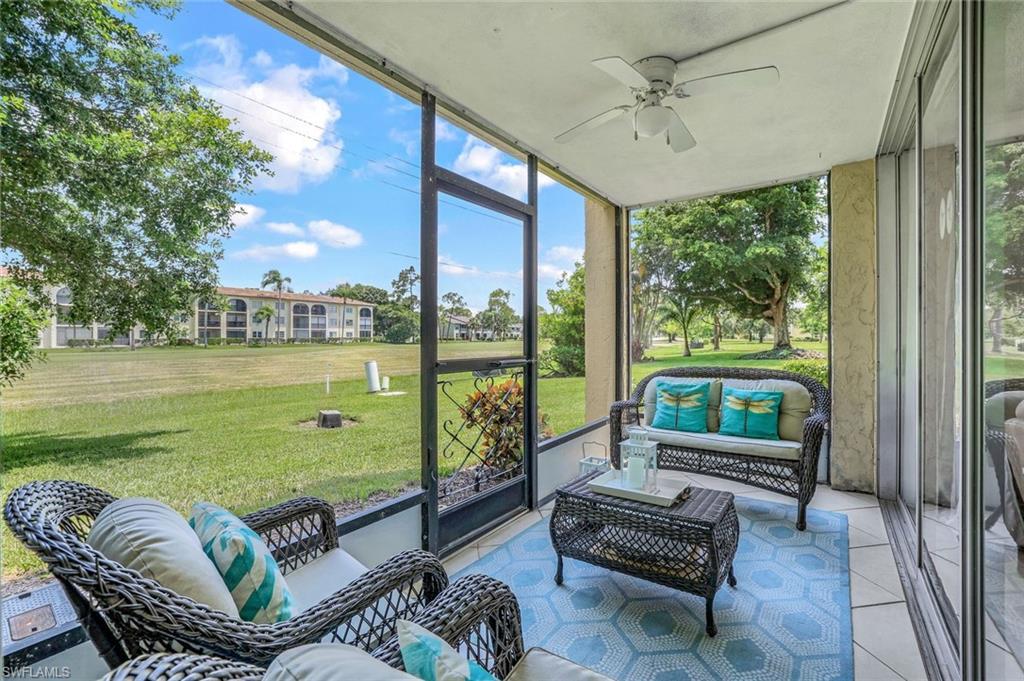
(788, 617)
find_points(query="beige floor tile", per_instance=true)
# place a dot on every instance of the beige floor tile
(867, 519)
(859, 537)
(828, 499)
(510, 529)
(769, 496)
(460, 559)
(877, 564)
(710, 482)
(886, 633)
(867, 667)
(864, 592)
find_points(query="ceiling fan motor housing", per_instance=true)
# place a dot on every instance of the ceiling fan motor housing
(660, 72)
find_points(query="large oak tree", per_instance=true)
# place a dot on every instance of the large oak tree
(117, 178)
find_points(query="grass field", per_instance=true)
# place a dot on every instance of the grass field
(223, 424)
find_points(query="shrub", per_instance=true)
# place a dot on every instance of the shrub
(21, 321)
(499, 411)
(815, 368)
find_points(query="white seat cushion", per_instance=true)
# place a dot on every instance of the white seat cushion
(540, 665)
(330, 662)
(315, 581)
(775, 449)
(151, 537)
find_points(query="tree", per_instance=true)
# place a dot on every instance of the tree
(403, 289)
(264, 315)
(1004, 234)
(813, 316)
(21, 320)
(682, 310)
(274, 279)
(499, 315)
(363, 292)
(564, 326)
(652, 265)
(404, 324)
(118, 180)
(749, 251)
(452, 305)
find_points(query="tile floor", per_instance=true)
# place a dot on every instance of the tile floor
(885, 648)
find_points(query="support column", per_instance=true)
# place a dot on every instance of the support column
(854, 293)
(602, 335)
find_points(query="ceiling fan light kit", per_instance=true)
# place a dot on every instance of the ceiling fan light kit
(650, 81)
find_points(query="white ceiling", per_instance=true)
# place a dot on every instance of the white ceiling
(525, 69)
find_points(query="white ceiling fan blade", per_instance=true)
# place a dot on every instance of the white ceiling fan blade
(679, 137)
(591, 123)
(733, 81)
(621, 70)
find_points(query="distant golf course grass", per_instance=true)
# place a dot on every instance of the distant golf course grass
(222, 424)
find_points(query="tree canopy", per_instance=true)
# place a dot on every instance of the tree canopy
(117, 179)
(748, 251)
(565, 326)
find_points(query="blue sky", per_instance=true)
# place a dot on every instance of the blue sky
(343, 202)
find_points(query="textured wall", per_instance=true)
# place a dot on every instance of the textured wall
(599, 255)
(854, 327)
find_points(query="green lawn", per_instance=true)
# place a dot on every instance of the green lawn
(183, 424)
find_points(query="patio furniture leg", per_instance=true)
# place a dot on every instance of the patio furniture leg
(709, 616)
(732, 577)
(801, 517)
(558, 571)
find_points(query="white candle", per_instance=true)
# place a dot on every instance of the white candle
(636, 472)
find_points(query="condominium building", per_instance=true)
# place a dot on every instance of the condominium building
(298, 316)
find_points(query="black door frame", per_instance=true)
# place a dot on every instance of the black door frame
(469, 519)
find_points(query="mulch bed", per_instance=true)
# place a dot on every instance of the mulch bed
(785, 353)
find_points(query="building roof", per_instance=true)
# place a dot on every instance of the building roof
(230, 291)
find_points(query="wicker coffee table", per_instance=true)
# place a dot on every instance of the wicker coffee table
(688, 546)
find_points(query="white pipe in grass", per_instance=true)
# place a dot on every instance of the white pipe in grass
(372, 376)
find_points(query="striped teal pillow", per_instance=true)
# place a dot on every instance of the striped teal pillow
(245, 563)
(428, 657)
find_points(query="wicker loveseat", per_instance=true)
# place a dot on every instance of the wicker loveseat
(788, 466)
(128, 615)
(1004, 442)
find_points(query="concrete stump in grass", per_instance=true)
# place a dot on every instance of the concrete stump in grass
(328, 418)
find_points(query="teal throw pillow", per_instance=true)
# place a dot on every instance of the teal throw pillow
(245, 563)
(682, 406)
(427, 656)
(750, 413)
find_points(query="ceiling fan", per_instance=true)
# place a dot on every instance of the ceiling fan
(651, 81)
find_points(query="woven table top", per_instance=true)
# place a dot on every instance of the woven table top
(702, 505)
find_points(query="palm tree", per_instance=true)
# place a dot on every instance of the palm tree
(274, 278)
(682, 310)
(264, 314)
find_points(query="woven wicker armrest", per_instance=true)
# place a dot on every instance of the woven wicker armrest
(297, 531)
(479, 616)
(183, 667)
(622, 413)
(361, 613)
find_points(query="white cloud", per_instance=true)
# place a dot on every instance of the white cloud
(334, 235)
(444, 131)
(276, 108)
(409, 139)
(485, 164)
(246, 215)
(262, 59)
(546, 270)
(456, 269)
(565, 254)
(289, 228)
(299, 250)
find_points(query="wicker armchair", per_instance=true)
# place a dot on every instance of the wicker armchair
(797, 479)
(128, 615)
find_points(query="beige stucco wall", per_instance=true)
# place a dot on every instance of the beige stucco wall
(854, 327)
(599, 256)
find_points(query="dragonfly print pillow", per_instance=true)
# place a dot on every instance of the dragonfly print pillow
(682, 406)
(750, 413)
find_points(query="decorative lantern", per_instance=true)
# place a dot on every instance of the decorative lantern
(591, 463)
(638, 463)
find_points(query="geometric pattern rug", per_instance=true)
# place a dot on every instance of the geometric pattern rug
(788, 617)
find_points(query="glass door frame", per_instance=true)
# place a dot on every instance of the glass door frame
(448, 530)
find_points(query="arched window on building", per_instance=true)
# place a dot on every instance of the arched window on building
(235, 321)
(365, 322)
(67, 330)
(318, 321)
(208, 320)
(300, 320)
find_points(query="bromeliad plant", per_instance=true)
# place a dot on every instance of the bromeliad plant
(498, 410)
